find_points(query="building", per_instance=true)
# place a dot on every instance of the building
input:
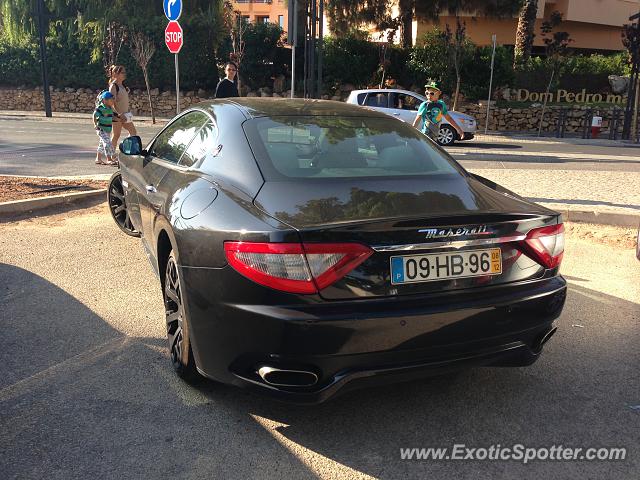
(592, 24)
(263, 11)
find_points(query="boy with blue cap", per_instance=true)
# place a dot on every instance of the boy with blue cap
(102, 119)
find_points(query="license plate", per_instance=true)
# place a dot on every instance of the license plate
(445, 266)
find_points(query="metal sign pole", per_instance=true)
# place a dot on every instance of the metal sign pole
(43, 59)
(493, 56)
(177, 86)
(294, 41)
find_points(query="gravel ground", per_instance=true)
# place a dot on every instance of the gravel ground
(20, 188)
(604, 191)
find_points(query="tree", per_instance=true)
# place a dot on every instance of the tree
(115, 36)
(556, 47)
(524, 33)
(142, 49)
(237, 27)
(455, 43)
(344, 15)
(631, 41)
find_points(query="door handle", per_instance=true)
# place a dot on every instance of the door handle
(397, 114)
(151, 189)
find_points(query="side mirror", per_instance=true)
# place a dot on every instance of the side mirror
(131, 145)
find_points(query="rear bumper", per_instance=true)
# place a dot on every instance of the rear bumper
(349, 344)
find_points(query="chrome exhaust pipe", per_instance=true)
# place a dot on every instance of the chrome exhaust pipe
(544, 339)
(287, 378)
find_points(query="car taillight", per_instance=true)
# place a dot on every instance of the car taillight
(295, 267)
(546, 245)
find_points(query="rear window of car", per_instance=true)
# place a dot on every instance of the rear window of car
(336, 147)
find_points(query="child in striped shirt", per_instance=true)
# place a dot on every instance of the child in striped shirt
(102, 119)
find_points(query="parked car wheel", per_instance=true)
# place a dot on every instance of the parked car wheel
(118, 205)
(447, 135)
(177, 330)
(638, 244)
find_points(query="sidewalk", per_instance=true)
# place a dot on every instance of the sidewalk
(532, 138)
(39, 115)
(589, 196)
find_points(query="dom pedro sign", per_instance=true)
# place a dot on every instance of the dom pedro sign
(564, 96)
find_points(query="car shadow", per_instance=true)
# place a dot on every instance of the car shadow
(79, 399)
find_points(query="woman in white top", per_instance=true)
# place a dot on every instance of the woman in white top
(117, 75)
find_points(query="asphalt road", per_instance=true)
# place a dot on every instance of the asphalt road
(86, 389)
(66, 146)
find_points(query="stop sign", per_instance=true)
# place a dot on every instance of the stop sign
(173, 37)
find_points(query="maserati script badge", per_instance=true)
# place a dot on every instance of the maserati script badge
(455, 232)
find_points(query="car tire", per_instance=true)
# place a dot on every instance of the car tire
(447, 135)
(178, 335)
(118, 205)
(638, 244)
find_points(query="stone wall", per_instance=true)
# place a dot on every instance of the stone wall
(82, 100)
(527, 119)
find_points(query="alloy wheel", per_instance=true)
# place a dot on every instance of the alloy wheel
(174, 311)
(118, 206)
(445, 136)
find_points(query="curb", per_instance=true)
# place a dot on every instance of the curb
(602, 218)
(30, 204)
(568, 215)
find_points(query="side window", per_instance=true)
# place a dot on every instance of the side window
(202, 144)
(376, 100)
(173, 141)
(361, 98)
(406, 102)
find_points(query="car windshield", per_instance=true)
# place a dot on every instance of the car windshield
(334, 147)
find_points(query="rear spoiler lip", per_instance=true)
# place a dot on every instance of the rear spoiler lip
(449, 244)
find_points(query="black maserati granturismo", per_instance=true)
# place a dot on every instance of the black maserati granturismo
(308, 247)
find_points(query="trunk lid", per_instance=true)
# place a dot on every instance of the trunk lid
(409, 217)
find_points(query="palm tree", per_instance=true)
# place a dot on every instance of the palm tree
(524, 34)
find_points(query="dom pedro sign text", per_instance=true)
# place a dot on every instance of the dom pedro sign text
(560, 96)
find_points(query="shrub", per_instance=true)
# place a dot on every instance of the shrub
(349, 59)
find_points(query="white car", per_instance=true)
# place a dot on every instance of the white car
(404, 104)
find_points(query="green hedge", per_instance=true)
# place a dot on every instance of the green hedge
(70, 63)
(350, 59)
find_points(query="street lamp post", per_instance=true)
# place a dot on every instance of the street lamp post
(43, 58)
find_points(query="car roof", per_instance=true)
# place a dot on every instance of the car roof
(253, 107)
(385, 90)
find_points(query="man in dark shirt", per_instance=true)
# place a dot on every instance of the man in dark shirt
(227, 87)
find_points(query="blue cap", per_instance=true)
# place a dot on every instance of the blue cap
(106, 95)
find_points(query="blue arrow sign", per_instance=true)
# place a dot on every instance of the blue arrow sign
(172, 9)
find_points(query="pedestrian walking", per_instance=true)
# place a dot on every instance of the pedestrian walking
(433, 111)
(117, 75)
(227, 86)
(103, 121)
